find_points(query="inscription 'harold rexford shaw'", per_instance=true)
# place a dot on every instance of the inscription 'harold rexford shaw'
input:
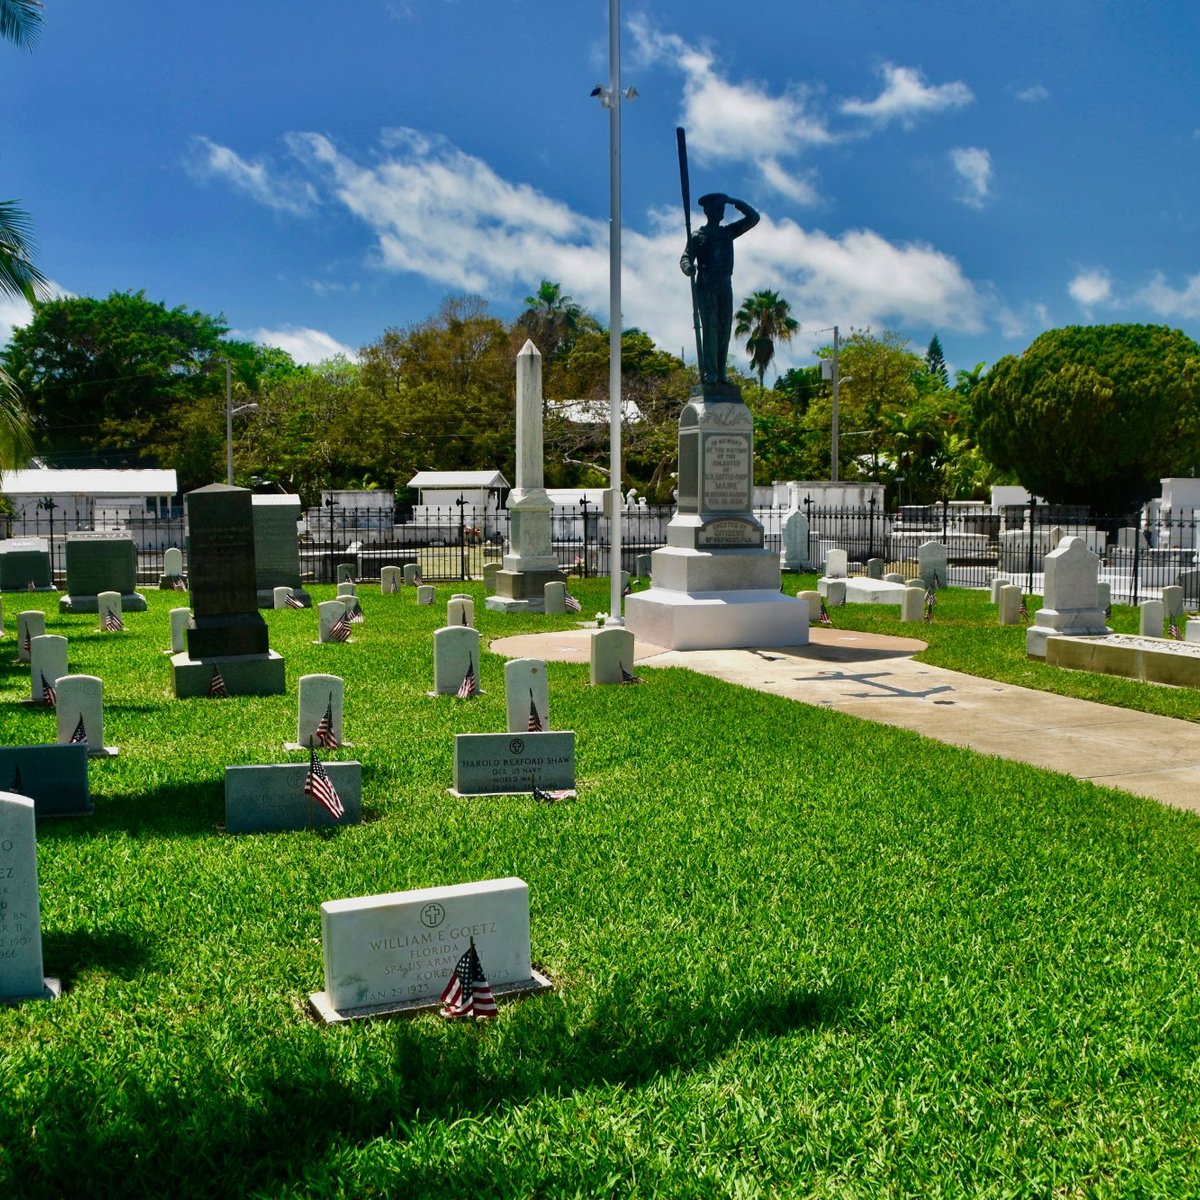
(497, 763)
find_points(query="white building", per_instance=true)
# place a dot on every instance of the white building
(87, 499)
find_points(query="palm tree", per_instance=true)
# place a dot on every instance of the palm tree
(764, 318)
(552, 318)
(20, 22)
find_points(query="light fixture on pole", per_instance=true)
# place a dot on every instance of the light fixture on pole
(829, 371)
(610, 98)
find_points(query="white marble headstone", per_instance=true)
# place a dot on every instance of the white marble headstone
(933, 564)
(835, 563)
(1150, 618)
(460, 610)
(525, 684)
(611, 649)
(47, 660)
(391, 580)
(81, 698)
(347, 587)
(411, 571)
(425, 594)
(316, 693)
(173, 562)
(1072, 576)
(108, 603)
(555, 593)
(179, 623)
(1009, 602)
(345, 574)
(329, 612)
(912, 604)
(403, 946)
(21, 975)
(279, 597)
(31, 623)
(454, 649)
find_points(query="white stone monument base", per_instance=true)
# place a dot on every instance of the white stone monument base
(1048, 623)
(717, 620)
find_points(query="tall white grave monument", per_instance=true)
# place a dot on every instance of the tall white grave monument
(530, 562)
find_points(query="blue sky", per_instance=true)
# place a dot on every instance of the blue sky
(320, 172)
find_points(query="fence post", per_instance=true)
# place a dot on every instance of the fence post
(1137, 565)
(1029, 581)
(871, 527)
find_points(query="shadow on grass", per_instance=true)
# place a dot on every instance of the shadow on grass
(224, 1127)
(76, 950)
(181, 809)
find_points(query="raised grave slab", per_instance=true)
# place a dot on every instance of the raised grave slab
(499, 764)
(393, 953)
(1156, 660)
(270, 798)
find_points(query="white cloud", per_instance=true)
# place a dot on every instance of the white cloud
(448, 217)
(737, 122)
(1034, 94)
(304, 345)
(15, 312)
(1168, 301)
(974, 167)
(212, 161)
(906, 96)
(1090, 288)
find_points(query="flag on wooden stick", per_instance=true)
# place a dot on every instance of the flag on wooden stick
(113, 622)
(930, 601)
(325, 735)
(468, 994)
(216, 684)
(291, 600)
(49, 694)
(470, 685)
(535, 721)
(340, 630)
(628, 676)
(823, 618)
(1173, 627)
(318, 786)
(80, 734)
(572, 604)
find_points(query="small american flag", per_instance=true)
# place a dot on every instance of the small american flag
(572, 604)
(80, 734)
(823, 618)
(339, 631)
(25, 645)
(416, 579)
(394, 585)
(356, 615)
(464, 616)
(49, 694)
(31, 586)
(113, 622)
(930, 602)
(1173, 627)
(937, 581)
(544, 796)
(179, 585)
(318, 786)
(291, 600)
(324, 734)
(468, 994)
(535, 721)
(469, 686)
(216, 684)
(628, 589)
(628, 676)
(1023, 611)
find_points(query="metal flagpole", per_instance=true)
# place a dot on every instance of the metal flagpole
(614, 302)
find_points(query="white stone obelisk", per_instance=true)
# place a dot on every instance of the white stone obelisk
(530, 562)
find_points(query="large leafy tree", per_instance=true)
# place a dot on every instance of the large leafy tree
(112, 382)
(553, 320)
(1094, 414)
(764, 319)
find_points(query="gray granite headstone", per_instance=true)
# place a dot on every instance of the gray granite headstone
(488, 764)
(25, 560)
(54, 777)
(21, 975)
(276, 546)
(101, 562)
(271, 798)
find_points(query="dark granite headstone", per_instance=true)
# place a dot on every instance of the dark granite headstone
(276, 547)
(101, 562)
(54, 777)
(22, 560)
(271, 798)
(223, 576)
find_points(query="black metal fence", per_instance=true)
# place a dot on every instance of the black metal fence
(1138, 555)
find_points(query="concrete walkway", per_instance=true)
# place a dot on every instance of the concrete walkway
(875, 677)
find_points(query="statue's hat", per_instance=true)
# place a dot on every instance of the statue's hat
(713, 198)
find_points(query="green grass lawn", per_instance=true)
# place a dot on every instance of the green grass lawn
(795, 953)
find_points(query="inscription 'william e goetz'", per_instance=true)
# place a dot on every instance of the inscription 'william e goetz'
(432, 936)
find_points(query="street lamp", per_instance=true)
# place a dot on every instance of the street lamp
(829, 370)
(230, 413)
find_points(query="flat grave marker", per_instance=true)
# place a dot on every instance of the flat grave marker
(54, 777)
(271, 798)
(505, 764)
